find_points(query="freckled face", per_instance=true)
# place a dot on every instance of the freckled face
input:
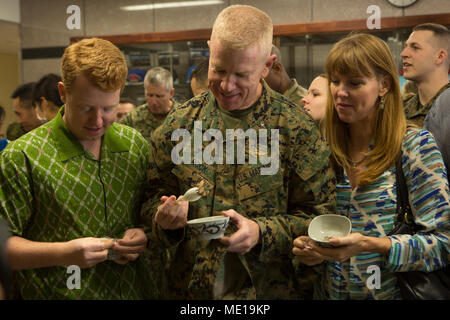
(89, 110)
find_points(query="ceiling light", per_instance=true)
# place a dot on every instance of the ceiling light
(177, 4)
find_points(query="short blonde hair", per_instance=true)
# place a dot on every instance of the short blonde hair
(241, 27)
(366, 55)
(99, 60)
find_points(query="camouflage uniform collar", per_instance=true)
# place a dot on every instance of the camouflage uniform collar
(292, 89)
(150, 115)
(175, 103)
(260, 116)
(68, 145)
(414, 100)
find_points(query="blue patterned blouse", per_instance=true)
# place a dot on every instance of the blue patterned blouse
(372, 208)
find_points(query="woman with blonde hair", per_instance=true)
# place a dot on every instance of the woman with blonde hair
(315, 103)
(367, 131)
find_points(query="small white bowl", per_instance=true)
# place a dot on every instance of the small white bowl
(208, 228)
(328, 226)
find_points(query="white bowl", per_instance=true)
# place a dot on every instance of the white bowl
(328, 226)
(208, 228)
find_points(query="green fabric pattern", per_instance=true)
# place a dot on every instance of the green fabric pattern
(53, 190)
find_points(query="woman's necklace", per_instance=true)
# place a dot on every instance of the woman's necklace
(355, 164)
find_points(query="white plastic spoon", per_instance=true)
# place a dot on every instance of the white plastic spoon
(190, 195)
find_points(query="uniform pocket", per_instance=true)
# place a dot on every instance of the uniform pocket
(259, 194)
(190, 176)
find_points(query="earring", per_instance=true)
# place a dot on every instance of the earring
(382, 103)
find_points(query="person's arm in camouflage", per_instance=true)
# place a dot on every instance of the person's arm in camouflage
(161, 185)
(127, 120)
(311, 192)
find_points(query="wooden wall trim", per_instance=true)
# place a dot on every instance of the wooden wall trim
(281, 29)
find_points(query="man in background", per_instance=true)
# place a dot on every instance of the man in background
(199, 77)
(125, 105)
(25, 112)
(426, 62)
(46, 97)
(159, 91)
(279, 80)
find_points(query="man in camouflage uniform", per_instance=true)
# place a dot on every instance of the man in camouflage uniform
(279, 80)
(159, 91)
(268, 206)
(426, 63)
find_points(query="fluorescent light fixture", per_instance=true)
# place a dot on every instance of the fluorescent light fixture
(177, 4)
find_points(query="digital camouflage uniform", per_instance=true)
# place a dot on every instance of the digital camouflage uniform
(282, 204)
(143, 120)
(53, 190)
(14, 131)
(414, 110)
(296, 93)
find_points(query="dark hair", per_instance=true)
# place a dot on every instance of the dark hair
(436, 28)
(2, 113)
(47, 87)
(25, 93)
(201, 71)
(127, 100)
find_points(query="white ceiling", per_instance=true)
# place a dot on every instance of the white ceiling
(9, 37)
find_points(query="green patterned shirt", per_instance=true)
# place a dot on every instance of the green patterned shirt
(53, 190)
(143, 120)
(296, 93)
